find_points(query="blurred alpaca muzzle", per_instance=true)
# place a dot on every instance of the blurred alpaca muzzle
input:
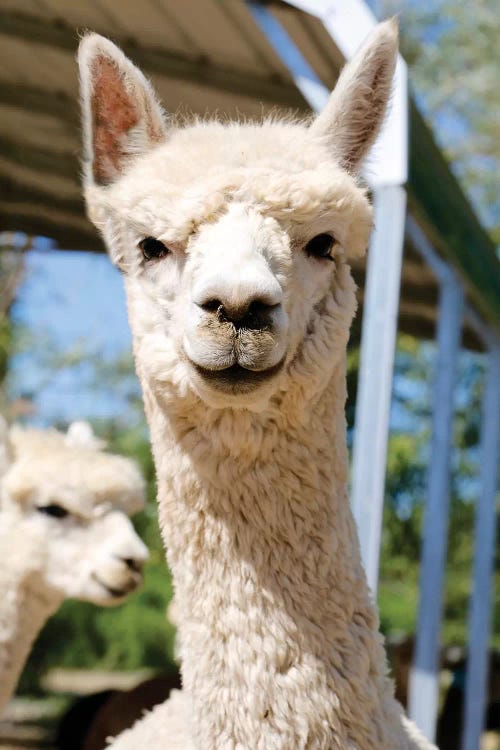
(119, 578)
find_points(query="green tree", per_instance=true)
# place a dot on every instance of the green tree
(406, 487)
(11, 273)
(451, 47)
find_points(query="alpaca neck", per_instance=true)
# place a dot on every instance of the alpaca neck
(278, 634)
(24, 608)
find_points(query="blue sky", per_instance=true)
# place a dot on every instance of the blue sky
(69, 302)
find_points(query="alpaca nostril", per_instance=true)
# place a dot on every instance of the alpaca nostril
(212, 305)
(258, 307)
(254, 313)
(132, 564)
(255, 316)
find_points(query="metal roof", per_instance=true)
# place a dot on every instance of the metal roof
(203, 56)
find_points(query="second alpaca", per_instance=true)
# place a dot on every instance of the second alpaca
(64, 532)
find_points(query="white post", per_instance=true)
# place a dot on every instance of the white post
(485, 533)
(380, 319)
(314, 92)
(424, 682)
(348, 22)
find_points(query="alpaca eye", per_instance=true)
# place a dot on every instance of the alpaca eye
(320, 246)
(152, 248)
(56, 511)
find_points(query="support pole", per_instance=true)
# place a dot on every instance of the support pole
(304, 77)
(485, 533)
(424, 682)
(380, 320)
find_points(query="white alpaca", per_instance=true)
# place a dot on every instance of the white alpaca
(235, 241)
(64, 532)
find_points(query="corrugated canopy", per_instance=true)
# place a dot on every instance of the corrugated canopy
(203, 56)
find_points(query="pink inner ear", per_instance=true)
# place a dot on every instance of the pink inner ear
(113, 116)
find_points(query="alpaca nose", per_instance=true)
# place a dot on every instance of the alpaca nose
(134, 564)
(245, 296)
(251, 313)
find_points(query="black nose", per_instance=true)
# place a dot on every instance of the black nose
(254, 315)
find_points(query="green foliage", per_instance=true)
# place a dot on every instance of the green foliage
(406, 491)
(451, 47)
(11, 271)
(5, 344)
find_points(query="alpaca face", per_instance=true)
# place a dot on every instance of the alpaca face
(224, 270)
(68, 504)
(97, 559)
(232, 238)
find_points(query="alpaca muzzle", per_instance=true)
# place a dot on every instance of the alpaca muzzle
(119, 577)
(234, 349)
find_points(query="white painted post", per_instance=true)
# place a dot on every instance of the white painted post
(348, 24)
(424, 682)
(485, 533)
(380, 320)
(314, 92)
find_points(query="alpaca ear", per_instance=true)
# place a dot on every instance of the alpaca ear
(355, 112)
(121, 116)
(81, 435)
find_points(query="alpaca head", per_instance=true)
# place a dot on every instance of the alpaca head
(67, 502)
(234, 238)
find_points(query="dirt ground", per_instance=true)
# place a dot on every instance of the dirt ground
(31, 723)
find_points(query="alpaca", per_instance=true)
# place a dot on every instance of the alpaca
(234, 240)
(64, 532)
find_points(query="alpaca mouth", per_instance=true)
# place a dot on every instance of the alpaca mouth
(237, 379)
(116, 593)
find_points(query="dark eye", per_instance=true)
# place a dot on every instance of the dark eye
(152, 248)
(56, 511)
(320, 246)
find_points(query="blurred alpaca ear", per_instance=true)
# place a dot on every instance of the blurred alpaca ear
(80, 434)
(121, 116)
(355, 112)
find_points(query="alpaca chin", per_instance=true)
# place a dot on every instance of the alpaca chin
(230, 389)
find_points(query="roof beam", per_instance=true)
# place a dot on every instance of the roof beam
(39, 212)
(53, 162)
(445, 213)
(198, 69)
(66, 235)
(57, 104)
(14, 191)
